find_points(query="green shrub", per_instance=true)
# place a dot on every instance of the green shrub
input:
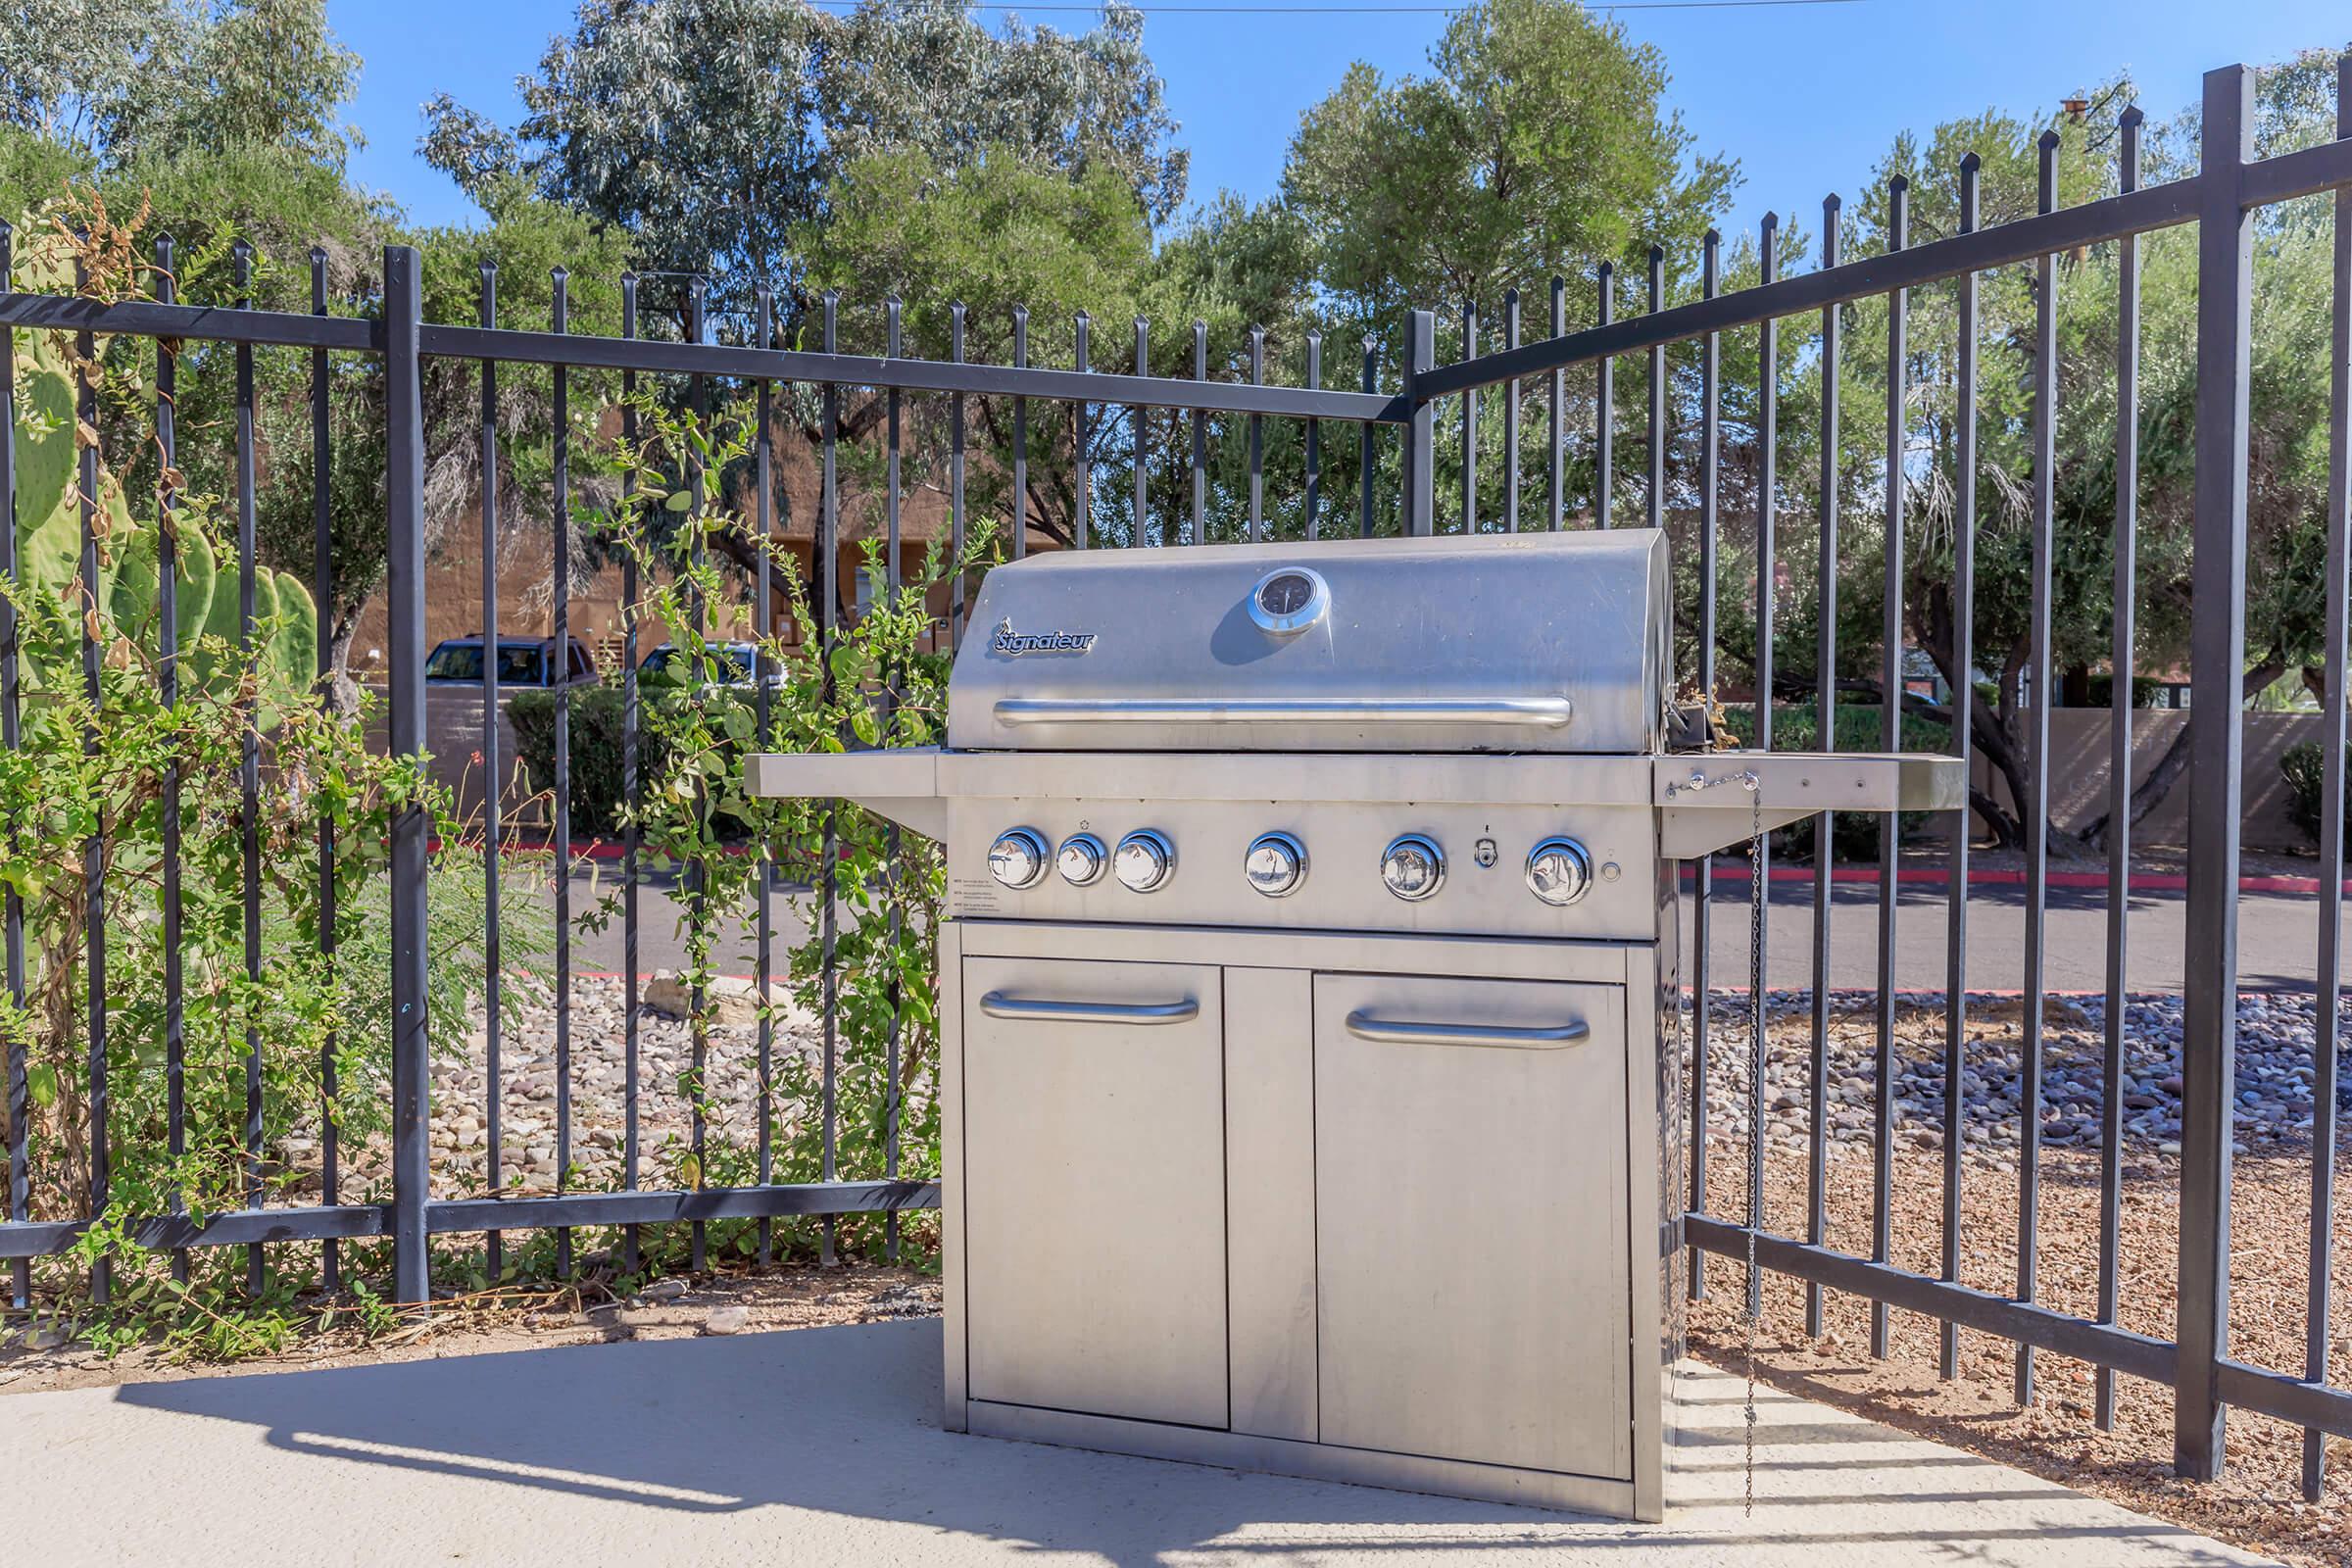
(596, 754)
(598, 800)
(2146, 691)
(107, 764)
(697, 811)
(2302, 767)
(1859, 727)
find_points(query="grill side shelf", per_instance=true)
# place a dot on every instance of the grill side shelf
(1705, 804)
(902, 785)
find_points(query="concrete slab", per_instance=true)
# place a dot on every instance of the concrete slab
(821, 1446)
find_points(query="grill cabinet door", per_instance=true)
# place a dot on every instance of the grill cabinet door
(1094, 1187)
(1470, 1191)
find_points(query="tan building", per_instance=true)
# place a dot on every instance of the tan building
(454, 575)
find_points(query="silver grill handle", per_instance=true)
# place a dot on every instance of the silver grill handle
(996, 1004)
(1525, 712)
(1397, 1032)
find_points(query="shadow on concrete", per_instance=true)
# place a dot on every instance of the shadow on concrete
(844, 1423)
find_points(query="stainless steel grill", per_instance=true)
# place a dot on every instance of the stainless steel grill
(1304, 903)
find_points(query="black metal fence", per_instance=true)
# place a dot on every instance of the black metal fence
(2230, 187)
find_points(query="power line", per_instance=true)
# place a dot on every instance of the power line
(1369, 11)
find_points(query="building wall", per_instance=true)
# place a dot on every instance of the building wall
(453, 605)
(453, 591)
(2079, 773)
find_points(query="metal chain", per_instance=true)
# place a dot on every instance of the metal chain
(1759, 1056)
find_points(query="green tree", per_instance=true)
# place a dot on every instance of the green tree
(134, 77)
(710, 129)
(1536, 145)
(992, 235)
(2287, 456)
(285, 206)
(1538, 140)
(524, 240)
(713, 135)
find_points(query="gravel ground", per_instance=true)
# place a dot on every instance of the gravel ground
(2274, 1032)
(599, 1066)
(526, 1072)
(2257, 1503)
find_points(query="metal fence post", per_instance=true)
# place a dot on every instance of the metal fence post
(404, 517)
(1420, 439)
(2216, 667)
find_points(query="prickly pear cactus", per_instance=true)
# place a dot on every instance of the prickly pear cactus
(49, 541)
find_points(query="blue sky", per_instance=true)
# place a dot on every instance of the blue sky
(1806, 97)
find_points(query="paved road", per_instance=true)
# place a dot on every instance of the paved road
(2278, 937)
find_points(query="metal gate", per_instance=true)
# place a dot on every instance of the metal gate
(1396, 431)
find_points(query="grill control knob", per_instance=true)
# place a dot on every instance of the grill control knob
(1276, 864)
(1413, 866)
(1558, 870)
(1081, 860)
(1018, 858)
(1144, 861)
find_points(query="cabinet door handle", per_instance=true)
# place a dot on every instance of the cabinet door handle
(1401, 1032)
(996, 1004)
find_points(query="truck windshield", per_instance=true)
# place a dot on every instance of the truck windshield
(519, 663)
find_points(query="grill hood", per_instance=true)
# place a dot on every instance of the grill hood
(1534, 643)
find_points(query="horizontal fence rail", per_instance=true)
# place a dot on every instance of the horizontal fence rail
(446, 1216)
(2223, 198)
(403, 343)
(503, 345)
(2308, 173)
(1714, 462)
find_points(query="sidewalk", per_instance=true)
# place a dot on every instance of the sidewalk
(820, 1446)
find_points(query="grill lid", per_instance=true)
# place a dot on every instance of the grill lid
(1551, 641)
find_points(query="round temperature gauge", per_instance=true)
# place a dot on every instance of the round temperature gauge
(1289, 599)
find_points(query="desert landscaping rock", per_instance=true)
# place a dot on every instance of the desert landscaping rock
(529, 1160)
(2273, 1111)
(2274, 1071)
(729, 1001)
